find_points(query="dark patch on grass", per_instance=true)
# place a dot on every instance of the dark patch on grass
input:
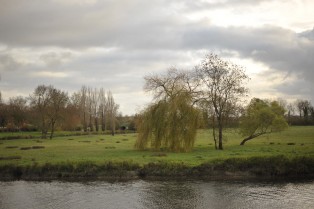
(38, 147)
(117, 142)
(159, 154)
(39, 141)
(85, 141)
(110, 147)
(101, 139)
(70, 139)
(125, 139)
(11, 147)
(271, 143)
(11, 158)
(291, 143)
(302, 144)
(25, 148)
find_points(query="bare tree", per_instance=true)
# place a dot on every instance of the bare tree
(303, 107)
(83, 106)
(90, 108)
(57, 104)
(112, 109)
(102, 108)
(94, 103)
(39, 100)
(18, 110)
(48, 102)
(222, 87)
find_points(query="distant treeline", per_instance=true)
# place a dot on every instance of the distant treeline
(48, 109)
(94, 110)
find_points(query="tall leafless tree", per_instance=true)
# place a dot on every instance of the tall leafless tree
(223, 88)
(112, 109)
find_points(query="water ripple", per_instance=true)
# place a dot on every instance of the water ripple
(156, 194)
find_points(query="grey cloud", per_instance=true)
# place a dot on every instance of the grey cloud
(145, 36)
(54, 59)
(309, 34)
(8, 63)
(106, 23)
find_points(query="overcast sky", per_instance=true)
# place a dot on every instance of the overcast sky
(114, 43)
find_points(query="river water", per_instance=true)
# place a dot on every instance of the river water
(156, 194)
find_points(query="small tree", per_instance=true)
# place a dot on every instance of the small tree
(262, 117)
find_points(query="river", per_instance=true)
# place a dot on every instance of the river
(156, 194)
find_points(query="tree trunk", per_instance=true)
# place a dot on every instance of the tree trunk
(251, 137)
(246, 139)
(52, 129)
(96, 124)
(43, 129)
(113, 126)
(220, 138)
(84, 122)
(90, 124)
(214, 132)
(43, 133)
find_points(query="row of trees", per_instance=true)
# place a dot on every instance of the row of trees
(47, 108)
(300, 112)
(214, 92)
(97, 109)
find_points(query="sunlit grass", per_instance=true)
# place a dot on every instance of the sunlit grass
(104, 148)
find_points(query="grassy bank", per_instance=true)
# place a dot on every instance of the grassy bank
(255, 167)
(288, 153)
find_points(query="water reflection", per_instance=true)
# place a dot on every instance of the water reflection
(156, 194)
(169, 194)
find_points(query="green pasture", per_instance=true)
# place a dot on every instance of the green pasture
(98, 149)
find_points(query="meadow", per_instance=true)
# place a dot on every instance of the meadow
(296, 141)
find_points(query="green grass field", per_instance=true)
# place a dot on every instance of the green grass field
(99, 149)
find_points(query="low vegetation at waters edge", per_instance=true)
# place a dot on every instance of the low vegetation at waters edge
(290, 152)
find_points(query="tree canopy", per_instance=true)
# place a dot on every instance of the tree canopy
(262, 117)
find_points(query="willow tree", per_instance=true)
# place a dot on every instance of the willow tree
(171, 121)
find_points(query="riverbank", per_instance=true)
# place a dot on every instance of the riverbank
(234, 168)
(289, 153)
